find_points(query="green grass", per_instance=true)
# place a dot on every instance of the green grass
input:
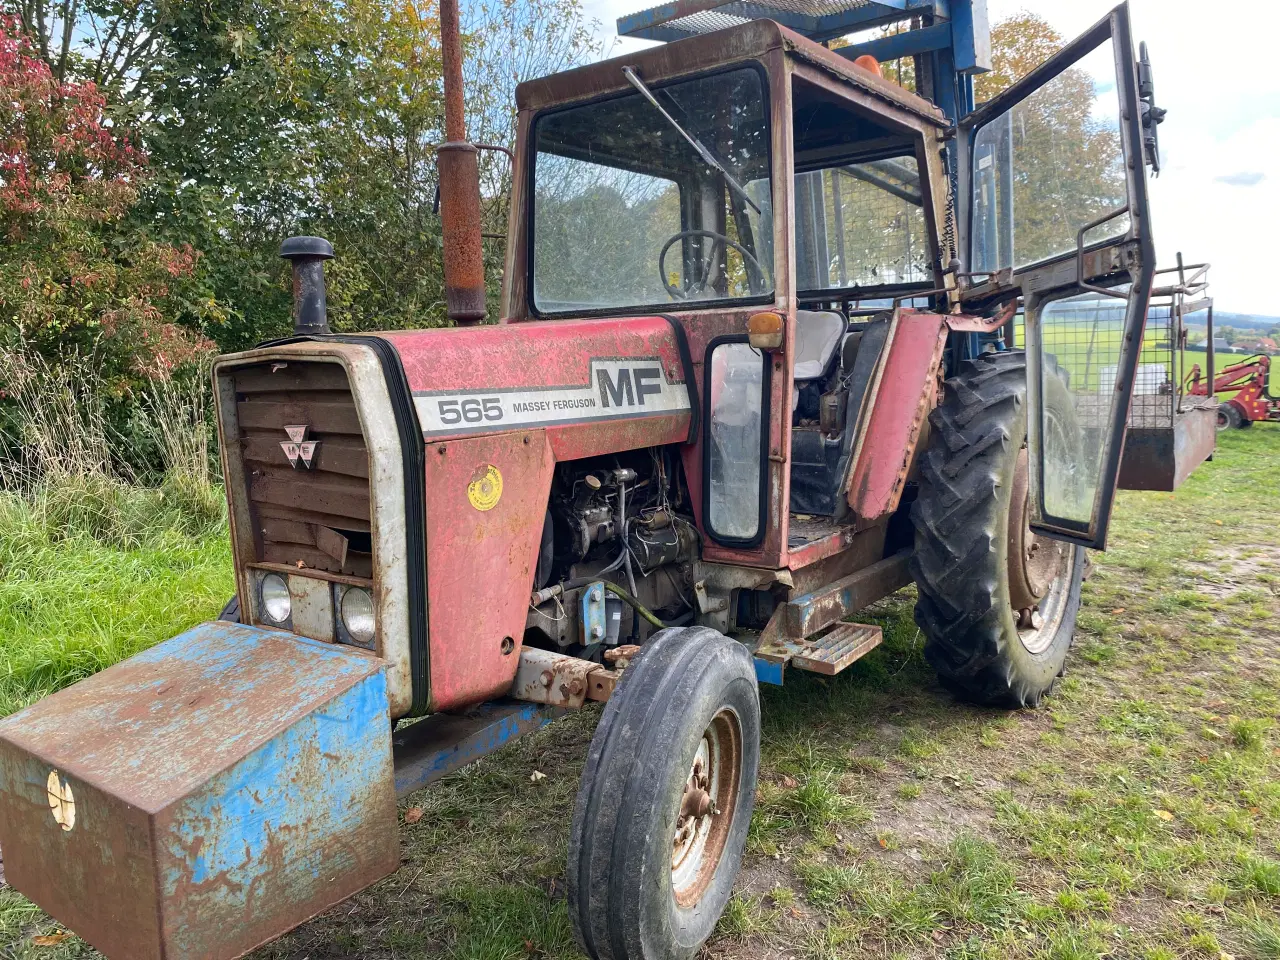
(94, 572)
(1136, 815)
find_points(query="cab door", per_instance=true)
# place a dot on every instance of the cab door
(1053, 208)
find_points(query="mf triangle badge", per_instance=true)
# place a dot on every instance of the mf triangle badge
(298, 448)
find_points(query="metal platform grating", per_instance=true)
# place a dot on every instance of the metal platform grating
(689, 18)
(835, 650)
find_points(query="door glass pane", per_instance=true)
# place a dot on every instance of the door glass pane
(1081, 340)
(736, 438)
(861, 224)
(1049, 165)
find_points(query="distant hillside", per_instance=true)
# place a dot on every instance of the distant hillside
(1237, 320)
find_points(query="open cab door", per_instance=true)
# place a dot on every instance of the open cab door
(1053, 208)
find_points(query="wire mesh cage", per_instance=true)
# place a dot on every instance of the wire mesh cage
(1170, 430)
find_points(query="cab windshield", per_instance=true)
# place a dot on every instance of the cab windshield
(627, 214)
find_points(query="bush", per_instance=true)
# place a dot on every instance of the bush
(75, 273)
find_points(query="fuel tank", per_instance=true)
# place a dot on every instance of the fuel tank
(204, 796)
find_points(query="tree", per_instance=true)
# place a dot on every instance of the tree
(72, 273)
(1060, 146)
(104, 42)
(1019, 44)
(265, 118)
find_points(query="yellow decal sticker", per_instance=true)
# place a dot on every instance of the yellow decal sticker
(61, 801)
(485, 489)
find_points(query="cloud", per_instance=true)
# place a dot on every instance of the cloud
(1245, 178)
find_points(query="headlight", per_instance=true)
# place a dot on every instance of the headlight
(276, 605)
(357, 614)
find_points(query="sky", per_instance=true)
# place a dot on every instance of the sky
(1218, 196)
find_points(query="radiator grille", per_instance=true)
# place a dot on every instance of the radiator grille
(317, 517)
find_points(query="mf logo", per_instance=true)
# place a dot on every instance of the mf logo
(298, 448)
(620, 393)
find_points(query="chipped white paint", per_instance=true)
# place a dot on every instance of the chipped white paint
(61, 801)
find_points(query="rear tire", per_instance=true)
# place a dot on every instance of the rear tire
(996, 634)
(1229, 417)
(648, 875)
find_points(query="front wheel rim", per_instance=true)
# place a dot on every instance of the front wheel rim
(706, 808)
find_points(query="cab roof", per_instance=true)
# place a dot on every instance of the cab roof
(722, 48)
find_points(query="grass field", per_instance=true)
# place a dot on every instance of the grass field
(1137, 814)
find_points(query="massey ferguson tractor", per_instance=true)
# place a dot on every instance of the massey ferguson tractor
(778, 337)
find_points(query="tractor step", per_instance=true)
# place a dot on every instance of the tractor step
(835, 650)
(827, 654)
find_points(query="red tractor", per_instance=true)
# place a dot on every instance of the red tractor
(755, 370)
(1253, 401)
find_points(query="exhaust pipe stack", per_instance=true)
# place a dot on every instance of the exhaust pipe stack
(307, 256)
(459, 172)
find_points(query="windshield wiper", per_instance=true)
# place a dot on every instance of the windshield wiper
(707, 156)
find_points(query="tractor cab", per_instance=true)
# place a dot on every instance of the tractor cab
(753, 171)
(743, 173)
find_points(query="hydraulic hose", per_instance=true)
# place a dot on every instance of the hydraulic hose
(542, 596)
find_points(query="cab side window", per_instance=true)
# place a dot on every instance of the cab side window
(737, 425)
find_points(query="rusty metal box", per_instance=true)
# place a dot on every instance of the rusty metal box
(1162, 457)
(204, 796)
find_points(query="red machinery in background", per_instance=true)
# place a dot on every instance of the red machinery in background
(1253, 401)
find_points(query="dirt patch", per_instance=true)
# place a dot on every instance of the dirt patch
(931, 821)
(1246, 568)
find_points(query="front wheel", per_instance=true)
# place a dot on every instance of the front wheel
(997, 604)
(666, 798)
(231, 612)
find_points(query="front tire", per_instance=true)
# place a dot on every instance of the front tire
(666, 798)
(231, 612)
(997, 604)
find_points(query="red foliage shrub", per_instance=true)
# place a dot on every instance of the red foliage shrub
(75, 273)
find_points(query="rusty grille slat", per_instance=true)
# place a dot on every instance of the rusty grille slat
(292, 505)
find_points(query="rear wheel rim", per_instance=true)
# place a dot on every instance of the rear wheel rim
(706, 808)
(1039, 571)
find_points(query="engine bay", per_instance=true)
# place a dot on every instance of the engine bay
(625, 521)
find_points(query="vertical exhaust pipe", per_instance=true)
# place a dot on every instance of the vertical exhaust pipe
(459, 172)
(307, 256)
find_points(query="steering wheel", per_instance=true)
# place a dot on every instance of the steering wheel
(698, 285)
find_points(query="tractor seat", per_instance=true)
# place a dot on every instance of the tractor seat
(818, 336)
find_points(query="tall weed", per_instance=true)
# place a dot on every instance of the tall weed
(60, 457)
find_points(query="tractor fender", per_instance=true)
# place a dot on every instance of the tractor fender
(903, 392)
